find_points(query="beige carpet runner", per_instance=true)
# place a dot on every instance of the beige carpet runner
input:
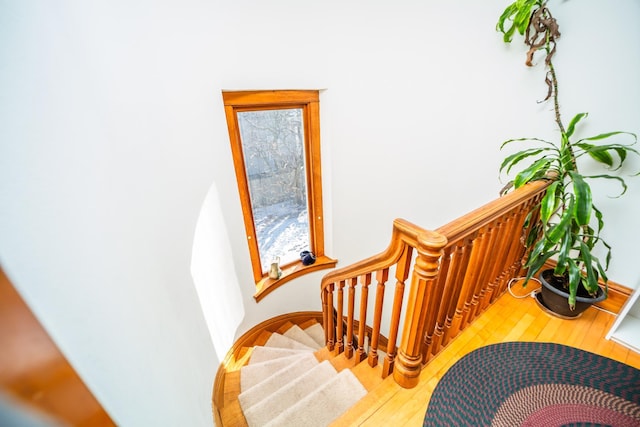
(285, 385)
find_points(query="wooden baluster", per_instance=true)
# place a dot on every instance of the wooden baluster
(521, 271)
(402, 273)
(435, 305)
(481, 281)
(425, 273)
(340, 318)
(381, 277)
(478, 271)
(442, 310)
(461, 256)
(325, 317)
(361, 353)
(492, 266)
(471, 278)
(515, 251)
(350, 308)
(330, 331)
(504, 264)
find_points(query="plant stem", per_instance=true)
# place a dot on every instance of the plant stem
(556, 104)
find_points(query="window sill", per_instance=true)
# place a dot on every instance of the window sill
(265, 286)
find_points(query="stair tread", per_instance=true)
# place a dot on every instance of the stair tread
(308, 323)
(274, 382)
(284, 327)
(319, 408)
(262, 354)
(282, 341)
(276, 379)
(296, 333)
(286, 396)
(262, 338)
(254, 373)
(316, 332)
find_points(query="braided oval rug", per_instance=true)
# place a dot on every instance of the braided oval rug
(536, 384)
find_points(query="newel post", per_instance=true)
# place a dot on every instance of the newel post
(425, 273)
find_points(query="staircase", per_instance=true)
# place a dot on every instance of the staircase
(288, 378)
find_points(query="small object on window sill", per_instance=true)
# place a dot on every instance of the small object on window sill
(274, 271)
(266, 285)
(307, 257)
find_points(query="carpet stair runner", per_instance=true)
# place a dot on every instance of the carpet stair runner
(288, 381)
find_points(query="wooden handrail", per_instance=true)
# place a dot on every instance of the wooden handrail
(459, 269)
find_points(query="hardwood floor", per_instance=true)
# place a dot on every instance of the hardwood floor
(508, 319)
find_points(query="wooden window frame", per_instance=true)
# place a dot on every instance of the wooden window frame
(308, 101)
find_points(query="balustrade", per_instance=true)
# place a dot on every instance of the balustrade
(458, 271)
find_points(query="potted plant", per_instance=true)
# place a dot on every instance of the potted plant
(566, 225)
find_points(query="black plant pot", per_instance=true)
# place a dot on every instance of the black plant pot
(553, 297)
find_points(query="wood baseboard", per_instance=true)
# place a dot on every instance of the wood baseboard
(617, 293)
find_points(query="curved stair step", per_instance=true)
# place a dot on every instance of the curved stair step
(323, 406)
(254, 373)
(282, 341)
(316, 332)
(262, 354)
(288, 395)
(290, 378)
(298, 334)
(274, 380)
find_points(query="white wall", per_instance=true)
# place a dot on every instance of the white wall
(105, 160)
(113, 131)
(419, 96)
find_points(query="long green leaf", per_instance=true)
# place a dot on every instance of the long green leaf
(523, 16)
(509, 141)
(573, 122)
(532, 235)
(591, 284)
(549, 202)
(607, 135)
(599, 154)
(598, 217)
(588, 236)
(622, 154)
(508, 12)
(536, 263)
(608, 258)
(538, 249)
(564, 253)
(583, 199)
(603, 273)
(616, 178)
(531, 173)
(515, 158)
(508, 35)
(575, 277)
(557, 231)
(621, 150)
